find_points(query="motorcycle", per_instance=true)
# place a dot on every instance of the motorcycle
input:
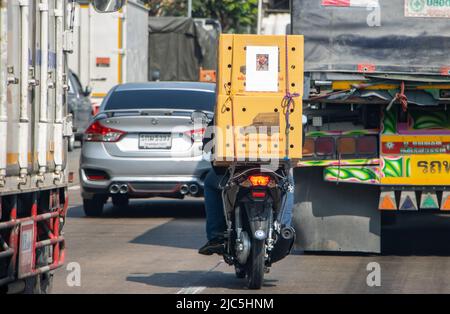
(254, 199)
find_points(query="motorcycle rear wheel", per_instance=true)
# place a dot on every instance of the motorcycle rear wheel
(255, 265)
(240, 271)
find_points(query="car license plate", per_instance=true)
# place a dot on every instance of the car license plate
(155, 141)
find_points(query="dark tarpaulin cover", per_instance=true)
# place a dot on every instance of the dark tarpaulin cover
(178, 48)
(339, 38)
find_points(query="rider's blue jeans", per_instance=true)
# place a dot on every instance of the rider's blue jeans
(215, 219)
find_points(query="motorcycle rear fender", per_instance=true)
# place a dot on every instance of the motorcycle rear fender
(259, 216)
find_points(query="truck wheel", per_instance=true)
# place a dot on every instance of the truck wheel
(93, 207)
(120, 201)
(255, 265)
(40, 284)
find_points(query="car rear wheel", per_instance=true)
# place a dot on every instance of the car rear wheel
(120, 201)
(93, 207)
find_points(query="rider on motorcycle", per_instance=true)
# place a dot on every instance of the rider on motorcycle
(215, 219)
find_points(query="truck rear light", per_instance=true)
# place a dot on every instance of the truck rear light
(97, 132)
(346, 146)
(196, 135)
(367, 145)
(308, 147)
(325, 146)
(259, 180)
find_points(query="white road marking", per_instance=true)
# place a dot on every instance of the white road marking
(198, 289)
(191, 290)
(74, 187)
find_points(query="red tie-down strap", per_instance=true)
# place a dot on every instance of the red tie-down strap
(401, 97)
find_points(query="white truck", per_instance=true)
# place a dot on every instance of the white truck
(35, 38)
(110, 49)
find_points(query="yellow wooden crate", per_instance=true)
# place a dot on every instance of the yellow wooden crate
(251, 125)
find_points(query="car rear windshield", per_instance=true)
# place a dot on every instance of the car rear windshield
(161, 99)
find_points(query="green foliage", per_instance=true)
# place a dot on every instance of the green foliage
(235, 16)
(167, 7)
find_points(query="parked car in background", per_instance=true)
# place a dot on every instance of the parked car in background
(80, 106)
(144, 143)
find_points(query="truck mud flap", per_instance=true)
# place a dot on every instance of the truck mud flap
(335, 218)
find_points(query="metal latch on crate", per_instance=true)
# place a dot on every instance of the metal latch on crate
(68, 41)
(68, 126)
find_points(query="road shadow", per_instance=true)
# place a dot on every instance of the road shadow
(421, 234)
(183, 279)
(151, 208)
(178, 233)
(412, 234)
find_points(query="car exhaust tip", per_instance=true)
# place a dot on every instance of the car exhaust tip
(123, 189)
(193, 189)
(184, 189)
(114, 189)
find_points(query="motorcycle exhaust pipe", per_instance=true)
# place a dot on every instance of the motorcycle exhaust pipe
(114, 189)
(288, 233)
(193, 189)
(284, 244)
(184, 189)
(123, 189)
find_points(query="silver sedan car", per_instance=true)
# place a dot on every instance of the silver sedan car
(145, 142)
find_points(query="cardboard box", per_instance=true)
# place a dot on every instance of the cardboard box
(252, 123)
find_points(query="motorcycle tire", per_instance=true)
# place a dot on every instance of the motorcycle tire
(256, 265)
(240, 271)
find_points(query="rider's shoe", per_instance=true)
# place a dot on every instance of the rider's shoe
(214, 246)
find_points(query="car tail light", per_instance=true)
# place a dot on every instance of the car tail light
(259, 180)
(97, 132)
(346, 146)
(308, 147)
(196, 135)
(258, 194)
(367, 145)
(325, 146)
(96, 175)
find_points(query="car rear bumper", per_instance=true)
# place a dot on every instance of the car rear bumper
(144, 177)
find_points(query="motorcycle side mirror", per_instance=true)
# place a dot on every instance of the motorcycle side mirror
(108, 6)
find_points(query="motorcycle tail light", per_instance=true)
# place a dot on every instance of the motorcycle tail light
(258, 194)
(97, 132)
(325, 146)
(259, 180)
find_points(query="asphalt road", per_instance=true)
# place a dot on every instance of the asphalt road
(152, 248)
